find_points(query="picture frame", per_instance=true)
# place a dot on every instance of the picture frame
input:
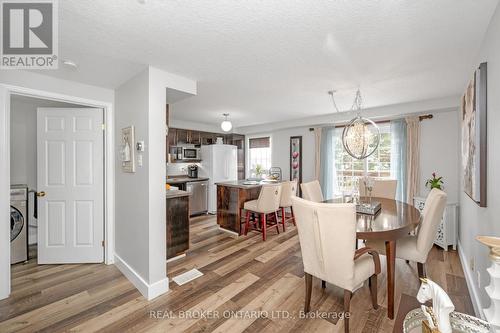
(474, 136)
(296, 160)
(127, 149)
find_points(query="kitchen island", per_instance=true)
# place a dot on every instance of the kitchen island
(231, 196)
(177, 223)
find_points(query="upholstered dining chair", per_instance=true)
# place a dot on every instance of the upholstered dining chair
(382, 188)
(288, 190)
(417, 247)
(312, 191)
(267, 203)
(328, 250)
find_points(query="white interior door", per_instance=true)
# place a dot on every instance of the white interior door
(70, 172)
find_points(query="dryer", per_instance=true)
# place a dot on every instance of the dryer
(18, 223)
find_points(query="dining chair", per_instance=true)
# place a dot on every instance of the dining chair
(288, 190)
(382, 188)
(328, 250)
(267, 203)
(417, 247)
(312, 191)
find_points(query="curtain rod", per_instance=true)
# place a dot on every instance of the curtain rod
(422, 117)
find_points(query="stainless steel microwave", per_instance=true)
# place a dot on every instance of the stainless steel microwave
(191, 153)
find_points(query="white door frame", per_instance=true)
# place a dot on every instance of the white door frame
(109, 173)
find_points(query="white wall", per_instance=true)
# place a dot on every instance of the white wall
(439, 151)
(80, 93)
(23, 164)
(140, 197)
(474, 220)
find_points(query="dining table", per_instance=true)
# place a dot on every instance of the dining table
(393, 221)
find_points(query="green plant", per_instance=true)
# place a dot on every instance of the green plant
(435, 182)
(259, 170)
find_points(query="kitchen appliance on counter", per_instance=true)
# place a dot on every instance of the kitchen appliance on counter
(18, 223)
(219, 165)
(192, 171)
(198, 201)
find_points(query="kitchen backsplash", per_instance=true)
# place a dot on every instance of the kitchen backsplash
(176, 169)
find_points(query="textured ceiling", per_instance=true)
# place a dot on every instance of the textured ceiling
(267, 61)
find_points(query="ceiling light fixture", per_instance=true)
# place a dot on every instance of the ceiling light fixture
(361, 136)
(226, 125)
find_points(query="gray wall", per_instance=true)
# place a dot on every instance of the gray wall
(475, 220)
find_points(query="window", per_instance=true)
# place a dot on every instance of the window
(259, 155)
(377, 165)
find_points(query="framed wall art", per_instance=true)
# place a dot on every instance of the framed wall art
(296, 160)
(127, 150)
(474, 136)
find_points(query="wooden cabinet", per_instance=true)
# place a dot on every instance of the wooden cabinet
(177, 136)
(177, 225)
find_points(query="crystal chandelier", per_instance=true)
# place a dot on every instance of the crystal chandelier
(361, 136)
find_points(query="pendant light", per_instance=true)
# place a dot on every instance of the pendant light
(226, 125)
(361, 136)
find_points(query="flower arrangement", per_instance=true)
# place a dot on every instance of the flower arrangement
(435, 182)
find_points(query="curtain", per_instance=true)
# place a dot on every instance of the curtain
(398, 157)
(413, 156)
(328, 172)
(317, 153)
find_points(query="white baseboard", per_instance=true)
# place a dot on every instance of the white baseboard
(149, 291)
(476, 302)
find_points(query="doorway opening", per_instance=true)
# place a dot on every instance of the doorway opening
(57, 178)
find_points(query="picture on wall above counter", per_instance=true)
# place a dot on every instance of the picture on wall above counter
(474, 137)
(296, 159)
(127, 151)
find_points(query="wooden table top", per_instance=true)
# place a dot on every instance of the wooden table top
(394, 220)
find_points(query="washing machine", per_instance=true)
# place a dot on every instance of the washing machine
(18, 223)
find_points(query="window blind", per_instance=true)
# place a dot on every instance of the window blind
(259, 142)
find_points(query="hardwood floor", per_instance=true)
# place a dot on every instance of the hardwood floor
(241, 276)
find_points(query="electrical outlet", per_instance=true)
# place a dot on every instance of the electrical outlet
(478, 279)
(471, 264)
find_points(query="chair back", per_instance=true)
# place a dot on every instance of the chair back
(312, 191)
(432, 215)
(288, 190)
(327, 235)
(382, 188)
(269, 198)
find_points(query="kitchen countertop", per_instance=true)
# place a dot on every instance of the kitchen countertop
(240, 184)
(176, 194)
(180, 180)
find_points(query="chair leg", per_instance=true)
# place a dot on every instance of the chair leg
(307, 303)
(264, 226)
(421, 270)
(293, 215)
(247, 222)
(283, 217)
(277, 222)
(347, 304)
(373, 290)
(323, 284)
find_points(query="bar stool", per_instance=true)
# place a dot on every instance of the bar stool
(267, 203)
(288, 190)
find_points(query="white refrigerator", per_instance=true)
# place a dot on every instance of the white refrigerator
(219, 164)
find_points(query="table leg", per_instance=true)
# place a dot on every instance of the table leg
(390, 250)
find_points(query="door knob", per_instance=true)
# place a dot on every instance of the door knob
(40, 194)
